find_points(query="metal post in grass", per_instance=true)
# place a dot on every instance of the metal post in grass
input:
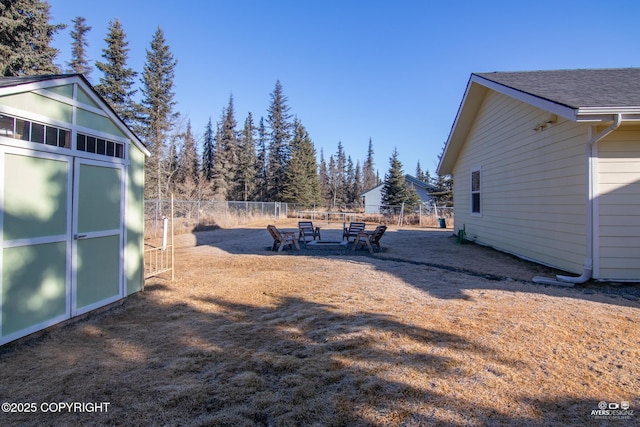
(172, 246)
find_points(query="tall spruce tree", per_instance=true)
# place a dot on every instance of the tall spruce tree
(339, 178)
(357, 186)
(219, 175)
(325, 185)
(419, 173)
(333, 183)
(229, 153)
(247, 172)
(208, 151)
(190, 185)
(189, 165)
(395, 190)
(158, 117)
(350, 184)
(280, 126)
(301, 185)
(369, 178)
(25, 38)
(444, 183)
(261, 162)
(116, 83)
(79, 62)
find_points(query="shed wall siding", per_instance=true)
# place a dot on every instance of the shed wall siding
(618, 206)
(38, 104)
(47, 276)
(532, 183)
(134, 222)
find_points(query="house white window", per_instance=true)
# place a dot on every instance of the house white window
(475, 192)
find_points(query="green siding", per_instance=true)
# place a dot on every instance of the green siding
(33, 285)
(97, 122)
(64, 90)
(99, 198)
(35, 201)
(98, 269)
(84, 98)
(39, 104)
(134, 219)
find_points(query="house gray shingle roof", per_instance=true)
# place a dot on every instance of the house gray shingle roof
(576, 88)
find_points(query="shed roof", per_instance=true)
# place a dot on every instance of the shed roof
(583, 95)
(409, 179)
(15, 81)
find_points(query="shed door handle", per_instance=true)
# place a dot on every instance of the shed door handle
(79, 236)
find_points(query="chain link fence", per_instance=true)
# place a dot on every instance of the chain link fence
(199, 215)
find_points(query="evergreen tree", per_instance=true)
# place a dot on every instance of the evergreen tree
(395, 190)
(444, 183)
(189, 164)
(332, 183)
(246, 176)
(158, 117)
(208, 152)
(325, 187)
(117, 79)
(79, 62)
(229, 153)
(261, 162)
(190, 185)
(427, 177)
(369, 178)
(357, 186)
(419, 173)
(301, 184)
(279, 123)
(340, 177)
(219, 178)
(350, 181)
(25, 38)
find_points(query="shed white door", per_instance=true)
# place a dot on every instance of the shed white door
(97, 235)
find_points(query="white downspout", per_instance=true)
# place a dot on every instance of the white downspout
(588, 263)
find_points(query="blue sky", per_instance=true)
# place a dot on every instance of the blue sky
(392, 71)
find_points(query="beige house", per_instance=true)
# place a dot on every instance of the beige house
(546, 166)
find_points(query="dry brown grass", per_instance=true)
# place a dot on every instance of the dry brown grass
(248, 337)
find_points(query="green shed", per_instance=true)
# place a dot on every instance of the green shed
(71, 203)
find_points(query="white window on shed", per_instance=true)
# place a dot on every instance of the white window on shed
(475, 191)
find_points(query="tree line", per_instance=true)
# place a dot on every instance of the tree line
(272, 158)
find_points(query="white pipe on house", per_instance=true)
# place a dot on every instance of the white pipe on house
(588, 263)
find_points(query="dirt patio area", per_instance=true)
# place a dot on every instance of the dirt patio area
(426, 332)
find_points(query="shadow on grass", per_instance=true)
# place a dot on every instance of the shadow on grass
(291, 362)
(435, 251)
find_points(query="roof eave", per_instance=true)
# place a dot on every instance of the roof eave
(606, 114)
(471, 100)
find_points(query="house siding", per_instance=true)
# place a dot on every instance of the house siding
(532, 183)
(618, 206)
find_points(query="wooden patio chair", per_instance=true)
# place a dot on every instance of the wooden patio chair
(353, 230)
(306, 229)
(282, 238)
(370, 239)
